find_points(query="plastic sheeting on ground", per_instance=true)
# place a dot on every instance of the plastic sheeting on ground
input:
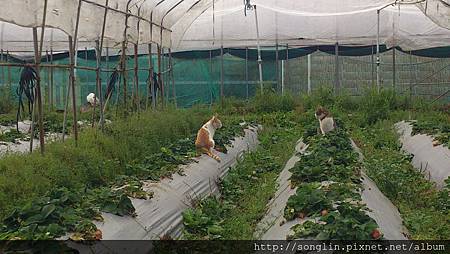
(433, 161)
(162, 215)
(274, 227)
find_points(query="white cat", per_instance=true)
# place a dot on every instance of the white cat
(326, 121)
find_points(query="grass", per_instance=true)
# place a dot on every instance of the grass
(424, 209)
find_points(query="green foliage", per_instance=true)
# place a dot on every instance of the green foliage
(439, 127)
(308, 200)
(204, 222)
(348, 221)
(6, 100)
(329, 157)
(376, 105)
(11, 136)
(269, 101)
(423, 208)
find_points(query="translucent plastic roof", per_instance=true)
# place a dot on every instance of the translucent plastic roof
(206, 24)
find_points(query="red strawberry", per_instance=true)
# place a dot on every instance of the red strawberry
(375, 234)
(324, 212)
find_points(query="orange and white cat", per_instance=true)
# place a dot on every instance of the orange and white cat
(326, 121)
(205, 137)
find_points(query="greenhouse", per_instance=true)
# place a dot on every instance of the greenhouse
(301, 121)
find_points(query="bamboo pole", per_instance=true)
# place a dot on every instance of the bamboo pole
(150, 76)
(51, 71)
(277, 66)
(221, 76)
(73, 47)
(211, 75)
(286, 69)
(136, 77)
(337, 80)
(152, 88)
(3, 70)
(38, 97)
(172, 78)
(246, 71)
(309, 74)
(160, 81)
(99, 56)
(9, 71)
(47, 59)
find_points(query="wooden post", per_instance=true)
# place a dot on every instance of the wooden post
(9, 72)
(221, 76)
(73, 47)
(37, 60)
(393, 70)
(99, 56)
(47, 59)
(160, 81)
(3, 68)
(172, 78)
(309, 74)
(277, 67)
(136, 77)
(72, 86)
(337, 81)
(246, 71)
(150, 77)
(286, 67)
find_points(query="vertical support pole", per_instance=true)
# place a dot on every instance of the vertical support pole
(309, 74)
(282, 77)
(2, 58)
(9, 72)
(337, 79)
(37, 60)
(410, 77)
(221, 76)
(211, 74)
(259, 53)
(72, 86)
(172, 77)
(378, 50)
(123, 66)
(372, 69)
(136, 78)
(152, 69)
(107, 58)
(161, 84)
(150, 88)
(47, 60)
(394, 74)
(246, 71)
(52, 100)
(277, 65)
(286, 67)
(98, 56)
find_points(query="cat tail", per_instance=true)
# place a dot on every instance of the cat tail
(210, 154)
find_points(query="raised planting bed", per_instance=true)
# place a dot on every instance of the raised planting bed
(248, 187)
(431, 155)
(328, 196)
(161, 216)
(128, 196)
